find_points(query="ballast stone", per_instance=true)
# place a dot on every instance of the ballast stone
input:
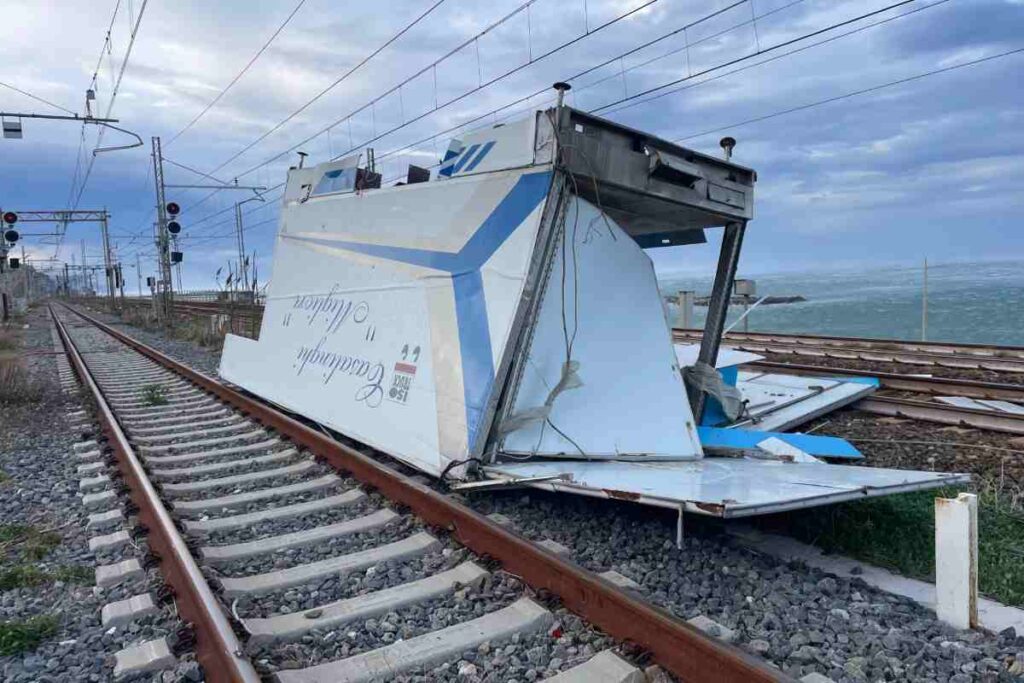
(816, 677)
(621, 580)
(712, 628)
(555, 547)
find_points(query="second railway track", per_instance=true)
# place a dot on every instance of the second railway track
(273, 536)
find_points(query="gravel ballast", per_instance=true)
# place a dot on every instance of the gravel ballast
(797, 617)
(40, 488)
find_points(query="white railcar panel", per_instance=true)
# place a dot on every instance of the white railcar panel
(632, 402)
(379, 322)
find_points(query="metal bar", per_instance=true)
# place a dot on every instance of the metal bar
(718, 306)
(56, 117)
(218, 649)
(986, 350)
(217, 187)
(944, 414)
(677, 646)
(924, 385)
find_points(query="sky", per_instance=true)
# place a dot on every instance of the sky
(930, 168)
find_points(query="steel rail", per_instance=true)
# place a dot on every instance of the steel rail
(938, 412)
(678, 647)
(217, 648)
(988, 351)
(958, 361)
(944, 386)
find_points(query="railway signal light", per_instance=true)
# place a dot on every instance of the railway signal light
(11, 235)
(174, 227)
(15, 263)
(173, 208)
(10, 217)
(176, 257)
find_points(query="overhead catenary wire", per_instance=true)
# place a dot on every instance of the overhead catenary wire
(692, 76)
(337, 82)
(37, 98)
(770, 48)
(438, 105)
(773, 58)
(110, 104)
(855, 93)
(239, 75)
(584, 72)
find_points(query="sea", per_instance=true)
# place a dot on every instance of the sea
(967, 302)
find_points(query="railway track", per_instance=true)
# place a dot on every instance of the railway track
(273, 536)
(961, 357)
(983, 351)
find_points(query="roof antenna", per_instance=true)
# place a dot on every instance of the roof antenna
(302, 158)
(727, 144)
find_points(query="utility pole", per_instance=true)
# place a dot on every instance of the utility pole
(138, 272)
(162, 241)
(25, 278)
(67, 283)
(240, 237)
(108, 266)
(924, 303)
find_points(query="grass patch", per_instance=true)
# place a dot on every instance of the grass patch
(4, 478)
(74, 573)
(16, 384)
(18, 636)
(33, 542)
(898, 532)
(154, 395)
(28, 576)
(8, 341)
(22, 576)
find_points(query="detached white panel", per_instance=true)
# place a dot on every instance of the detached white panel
(778, 403)
(726, 487)
(390, 310)
(606, 304)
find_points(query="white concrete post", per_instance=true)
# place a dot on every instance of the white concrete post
(956, 560)
(684, 318)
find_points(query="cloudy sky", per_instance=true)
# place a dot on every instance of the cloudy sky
(931, 167)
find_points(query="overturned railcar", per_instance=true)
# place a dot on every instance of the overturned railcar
(499, 318)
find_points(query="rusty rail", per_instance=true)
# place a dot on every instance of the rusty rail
(217, 648)
(988, 351)
(991, 420)
(678, 647)
(945, 386)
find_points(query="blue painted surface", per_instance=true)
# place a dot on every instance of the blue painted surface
(480, 157)
(464, 266)
(713, 413)
(449, 159)
(870, 381)
(817, 445)
(464, 158)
